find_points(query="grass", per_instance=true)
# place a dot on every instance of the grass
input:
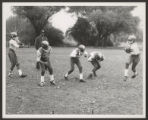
(107, 94)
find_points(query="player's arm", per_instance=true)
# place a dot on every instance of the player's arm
(91, 57)
(14, 43)
(85, 54)
(39, 53)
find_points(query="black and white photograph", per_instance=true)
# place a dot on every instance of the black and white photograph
(74, 59)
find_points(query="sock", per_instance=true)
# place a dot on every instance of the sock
(66, 75)
(126, 72)
(42, 78)
(20, 72)
(51, 77)
(81, 75)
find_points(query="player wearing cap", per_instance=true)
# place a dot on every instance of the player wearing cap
(43, 55)
(14, 43)
(95, 58)
(133, 54)
(38, 42)
(74, 60)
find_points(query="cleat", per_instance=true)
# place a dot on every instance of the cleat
(125, 78)
(81, 80)
(90, 76)
(41, 84)
(22, 76)
(52, 82)
(134, 75)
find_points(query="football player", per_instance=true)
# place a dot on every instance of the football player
(133, 53)
(95, 58)
(43, 54)
(75, 60)
(38, 42)
(14, 43)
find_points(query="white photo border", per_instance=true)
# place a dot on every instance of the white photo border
(5, 4)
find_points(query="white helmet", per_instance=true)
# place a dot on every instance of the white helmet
(45, 42)
(131, 37)
(13, 34)
(81, 47)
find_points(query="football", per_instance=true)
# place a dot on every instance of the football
(128, 50)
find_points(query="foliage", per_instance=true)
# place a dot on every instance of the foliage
(38, 15)
(23, 27)
(54, 35)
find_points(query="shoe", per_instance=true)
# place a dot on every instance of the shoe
(22, 76)
(41, 84)
(81, 80)
(90, 76)
(134, 75)
(10, 74)
(66, 78)
(52, 82)
(125, 78)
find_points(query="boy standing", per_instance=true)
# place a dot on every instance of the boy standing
(43, 54)
(14, 43)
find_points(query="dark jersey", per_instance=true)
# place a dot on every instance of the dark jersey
(44, 54)
(39, 40)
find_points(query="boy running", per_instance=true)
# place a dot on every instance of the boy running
(14, 43)
(43, 54)
(75, 60)
(133, 53)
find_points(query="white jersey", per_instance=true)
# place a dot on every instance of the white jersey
(95, 55)
(135, 49)
(76, 53)
(13, 44)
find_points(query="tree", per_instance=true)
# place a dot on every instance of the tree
(55, 36)
(23, 27)
(37, 15)
(113, 20)
(81, 31)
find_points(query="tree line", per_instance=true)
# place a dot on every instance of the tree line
(95, 26)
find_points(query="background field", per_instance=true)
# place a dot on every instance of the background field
(106, 94)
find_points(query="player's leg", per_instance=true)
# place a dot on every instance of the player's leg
(12, 61)
(37, 62)
(135, 63)
(42, 81)
(72, 62)
(18, 67)
(78, 63)
(50, 69)
(96, 67)
(127, 64)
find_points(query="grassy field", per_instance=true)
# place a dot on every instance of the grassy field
(107, 94)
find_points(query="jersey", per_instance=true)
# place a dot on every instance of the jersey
(96, 55)
(134, 48)
(76, 53)
(13, 44)
(43, 54)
